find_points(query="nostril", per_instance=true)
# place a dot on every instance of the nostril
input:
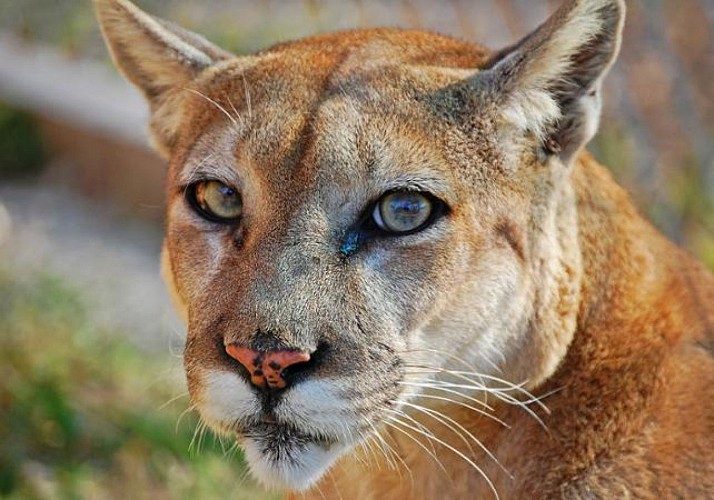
(268, 369)
(249, 358)
(277, 360)
(299, 371)
(291, 372)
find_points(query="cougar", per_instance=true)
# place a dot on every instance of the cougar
(404, 277)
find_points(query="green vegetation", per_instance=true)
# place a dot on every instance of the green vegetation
(21, 151)
(84, 414)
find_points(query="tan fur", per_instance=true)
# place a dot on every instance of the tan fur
(541, 298)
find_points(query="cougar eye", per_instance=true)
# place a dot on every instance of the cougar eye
(215, 201)
(403, 212)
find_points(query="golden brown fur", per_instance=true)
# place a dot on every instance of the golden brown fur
(631, 418)
(540, 298)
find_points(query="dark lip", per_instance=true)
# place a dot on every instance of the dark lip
(279, 433)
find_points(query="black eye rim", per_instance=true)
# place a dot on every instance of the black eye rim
(438, 210)
(192, 199)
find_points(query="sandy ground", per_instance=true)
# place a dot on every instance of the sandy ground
(113, 262)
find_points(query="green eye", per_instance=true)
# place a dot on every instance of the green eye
(403, 212)
(216, 201)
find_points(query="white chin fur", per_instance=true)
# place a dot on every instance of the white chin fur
(297, 468)
(316, 407)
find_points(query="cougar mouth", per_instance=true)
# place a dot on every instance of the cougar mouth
(292, 441)
(282, 456)
(281, 436)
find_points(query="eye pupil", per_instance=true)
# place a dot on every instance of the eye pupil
(407, 208)
(216, 201)
(226, 191)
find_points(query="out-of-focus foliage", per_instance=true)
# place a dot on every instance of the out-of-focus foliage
(84, 414)
(21, 151)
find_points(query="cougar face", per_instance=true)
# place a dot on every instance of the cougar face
(353, 217)
(306, 268)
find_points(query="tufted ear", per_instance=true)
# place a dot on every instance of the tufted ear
(549, 83)
(158, 57)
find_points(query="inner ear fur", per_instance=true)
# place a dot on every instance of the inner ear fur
(549, 83)
(157, 56)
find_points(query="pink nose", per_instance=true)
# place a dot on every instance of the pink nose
(266, 367)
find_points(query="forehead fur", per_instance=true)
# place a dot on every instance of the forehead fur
(333, 99)
(383, 44)
(301, 75)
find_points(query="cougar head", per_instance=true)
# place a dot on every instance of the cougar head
(355, 216)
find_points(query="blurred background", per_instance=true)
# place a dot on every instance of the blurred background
(92, 397)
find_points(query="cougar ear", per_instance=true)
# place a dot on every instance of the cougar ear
(549, 83)
(158, 57)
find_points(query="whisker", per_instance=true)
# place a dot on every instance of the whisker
(506, 398)
(532, 399)
(192, 177)
(421, 426)
(538, 399)
(367, 447)
(454, 357)
(500, 392)
(175, 398)
(233, 108)
(222, 444)
(334, 484)
(202, 437)
(194, 444)
(244, 476)
(459, 375)
(393, 464)
(443, 421)
(218, 106)
(463, 375)
(248, 101)
(183, 414)
(377, 451)
(459, 403)
(392, 425)
(405, 465)
(232, 451)
(429, 385)
(437, 415)
(319, 490)
(475, 386)
(388, 446)
(384, 446)
(457, 452)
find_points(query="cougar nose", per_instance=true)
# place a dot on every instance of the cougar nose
(266, 368)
